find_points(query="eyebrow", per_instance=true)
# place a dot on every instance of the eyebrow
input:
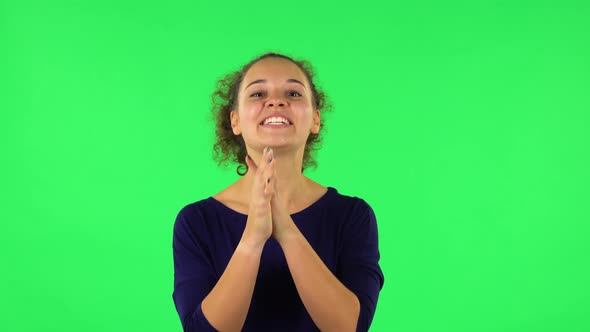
(291, 80)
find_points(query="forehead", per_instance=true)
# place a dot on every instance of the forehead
(274, 69)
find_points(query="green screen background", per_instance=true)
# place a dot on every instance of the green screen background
(464, 124)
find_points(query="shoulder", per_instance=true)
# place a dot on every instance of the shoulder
(209, 217)
(357, 217)
(192, 217)
(348, 213)
(348, 204)
(194, 209)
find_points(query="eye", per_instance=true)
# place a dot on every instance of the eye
(290, 93)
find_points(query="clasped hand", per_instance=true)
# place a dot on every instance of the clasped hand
(268, 213)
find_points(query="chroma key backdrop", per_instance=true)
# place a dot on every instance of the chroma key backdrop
(464, 124)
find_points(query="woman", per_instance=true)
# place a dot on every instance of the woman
(275, 251)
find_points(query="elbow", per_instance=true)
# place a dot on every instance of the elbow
(351, 319)
(356, 312)
(363, 315)
(197, 322)
(344, 320)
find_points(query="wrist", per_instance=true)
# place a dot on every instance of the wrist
(251, 243)
(286, 233)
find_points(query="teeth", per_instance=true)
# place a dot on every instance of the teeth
(276, 120)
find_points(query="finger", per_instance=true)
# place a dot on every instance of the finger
(275, 185)
(268, 176)
(267, 155)
(268, 173)
(266, 162)
(269, 186)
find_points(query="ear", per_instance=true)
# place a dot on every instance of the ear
(235, 122)
(315, 128)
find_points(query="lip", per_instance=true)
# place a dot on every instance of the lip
(275, 126)
(276, 114)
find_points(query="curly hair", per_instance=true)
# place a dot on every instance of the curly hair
(229, 147)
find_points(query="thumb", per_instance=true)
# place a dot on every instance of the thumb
(251, 164)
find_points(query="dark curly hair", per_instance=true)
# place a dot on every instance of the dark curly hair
(230, 147)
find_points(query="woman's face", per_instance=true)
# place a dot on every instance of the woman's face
(277, 88)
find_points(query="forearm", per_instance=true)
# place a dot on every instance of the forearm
(226, 306)
(329, 303)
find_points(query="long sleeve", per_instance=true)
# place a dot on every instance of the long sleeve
(341, 229)
(358, 265)
(194, 275)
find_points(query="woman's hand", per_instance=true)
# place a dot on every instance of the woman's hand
(282, 223)
(266, 202)
(259, 225)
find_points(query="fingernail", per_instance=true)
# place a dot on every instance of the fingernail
(267, 180)
(270, 159)
(267, 149)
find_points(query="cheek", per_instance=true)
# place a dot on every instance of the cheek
(250, 108)
(249, 117)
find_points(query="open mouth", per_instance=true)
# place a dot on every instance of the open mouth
(275, 122)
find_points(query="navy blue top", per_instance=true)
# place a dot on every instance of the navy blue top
(341, 229)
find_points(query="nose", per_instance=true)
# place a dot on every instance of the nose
(278, 102)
